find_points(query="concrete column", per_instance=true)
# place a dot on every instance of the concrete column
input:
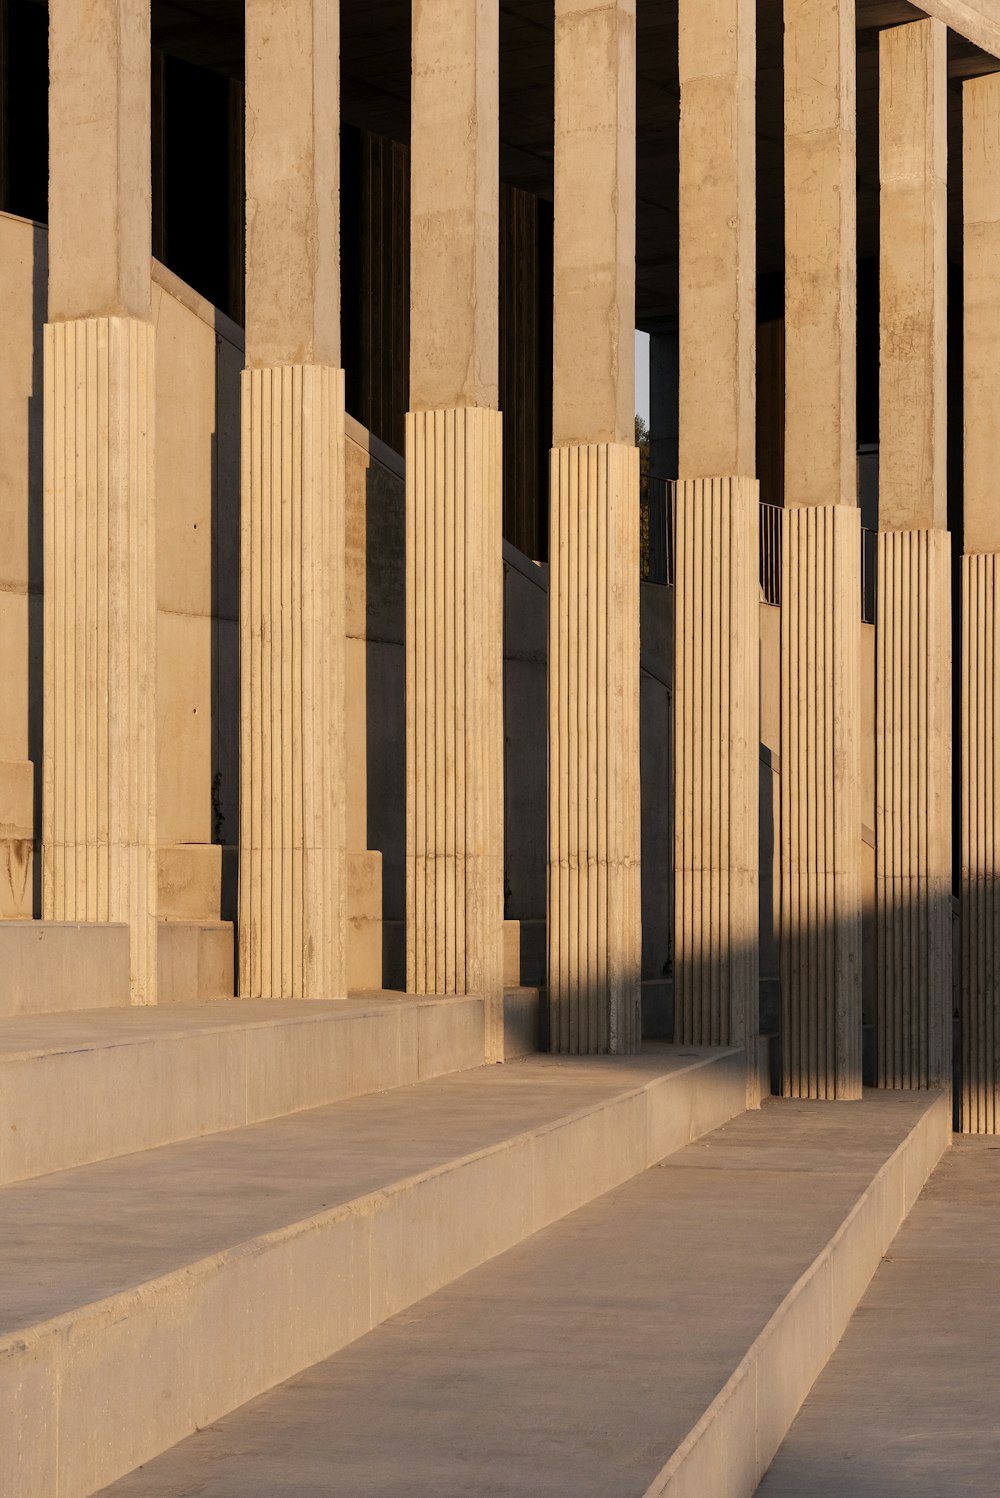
(292, 865)
(99, 756)
(716, 656)
(980, 729)
(821, 589)
(913, 631)
(454, 514)
(594, 909)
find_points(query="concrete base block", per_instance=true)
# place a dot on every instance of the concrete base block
(80, 1088)
(195, 961)
(524, 1014)
(364, 921)
(189, 882)
(52, 966)
(161, 1350)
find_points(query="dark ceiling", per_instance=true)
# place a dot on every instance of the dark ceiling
(375, 96)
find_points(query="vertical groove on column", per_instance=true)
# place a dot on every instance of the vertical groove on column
(913, 809)
(454, 708)
(292, 809)
(594, 912)
(99, 752)
(820, 803)
(980, 1104)
(716, 737)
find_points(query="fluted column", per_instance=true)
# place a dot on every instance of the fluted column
(913, 631)
(99, 729)
(979, 1004)
(821, 589)
(717, 516)
(820, 797)
(292, 862)
(594, 906)
(454, 514)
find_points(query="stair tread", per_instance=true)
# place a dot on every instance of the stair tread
(38, 1034)
(77, 1236)
(579, 1360)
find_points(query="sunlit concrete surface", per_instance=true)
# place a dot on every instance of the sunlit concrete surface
(910, 1401)
(577, 1362)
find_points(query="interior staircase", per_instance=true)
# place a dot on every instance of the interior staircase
(557, 1275)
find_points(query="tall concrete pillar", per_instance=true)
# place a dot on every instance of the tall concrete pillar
(594, 911)
(99, 755)
(913, 630)
(454, 515)
(292, 863)
(821, 565)
(716, 628)
(980, 681)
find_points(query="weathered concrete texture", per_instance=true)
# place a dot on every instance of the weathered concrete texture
(292, 885)
(293, 182)
(593, 396)
(299, 1236)
(454, 708)
(913, 812)
(594, 888)
(820, 253)
(913, 277)
(49, 967)
(716, 757)
(80, 1087)
(99, 683)
(196, 961)
(717, 208)
(820, 800)
(454, 204)
(980, 888)
(100, 194)
(907, 1405)
(669, 1316)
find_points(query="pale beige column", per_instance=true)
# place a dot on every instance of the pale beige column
(913, 631)
(821, 565)
(454, 514)
(980, 725)
(717, 513)
(292, 862)
(99, 755)
(594, 910)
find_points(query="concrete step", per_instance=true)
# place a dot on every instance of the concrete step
(143, 1298)
(61, 965)
(80, 1087)
(656, 1342)
(907, 1405)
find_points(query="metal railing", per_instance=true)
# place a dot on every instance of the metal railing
(659, 503)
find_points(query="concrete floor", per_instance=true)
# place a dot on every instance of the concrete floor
(909, 1404)
(576, 1362)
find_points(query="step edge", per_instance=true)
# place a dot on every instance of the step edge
(682, 1476)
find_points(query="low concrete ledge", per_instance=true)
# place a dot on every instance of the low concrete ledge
(86, 1087)
(93, 1392)
(195, 961)
(50, 966)
(731, 1447)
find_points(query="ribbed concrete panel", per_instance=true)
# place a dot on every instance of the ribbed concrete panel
(292, 799)
(99, 756)
(820, 803)
(716, 736)
(454, 708)
(980, 986)
(913, 809)
(594, 910)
